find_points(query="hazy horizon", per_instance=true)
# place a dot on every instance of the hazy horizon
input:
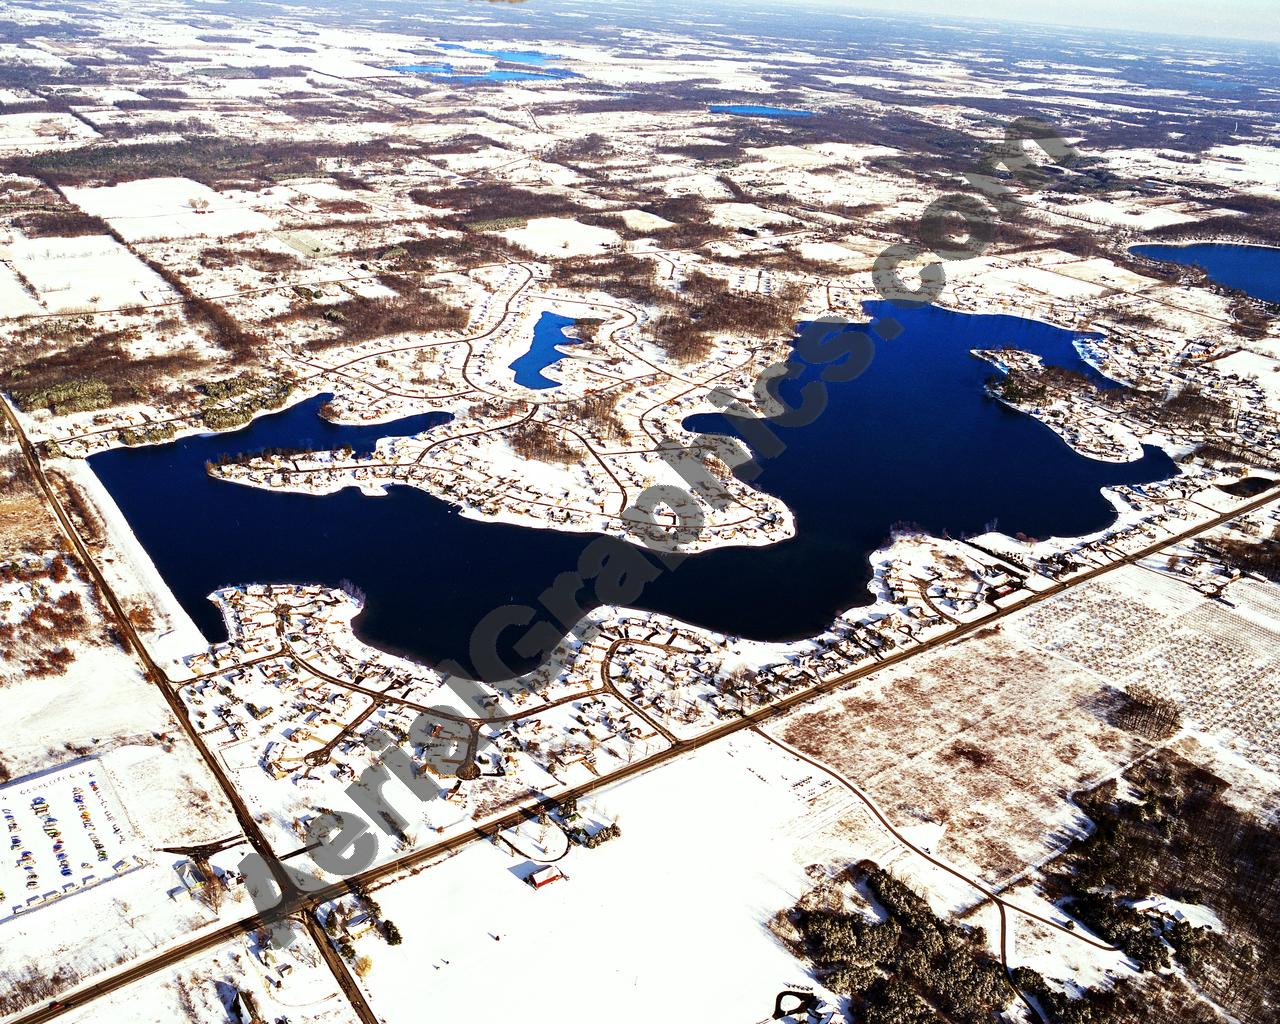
(1255, 21)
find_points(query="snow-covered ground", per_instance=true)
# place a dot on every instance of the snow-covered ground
(672, 914)
(562, 236)
(293, 985)
(41, 131)
(87, 273)
(155, 208)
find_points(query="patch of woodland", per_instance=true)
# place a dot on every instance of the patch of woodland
(79, 369)
(265, 261)
(491, 202)
(1174, 832)
(38, 638)
(908, 966)
(1192, 409)
(687, 320)
(1260, 223)
(898, 962)
(211, 160)
(60, 222)
(598, 415)
(415, 311)
(458, 250)
(1260, 555)
(539, 442)
(1143, 712)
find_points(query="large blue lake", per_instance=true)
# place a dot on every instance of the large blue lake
(912, 440)
(1254, 269)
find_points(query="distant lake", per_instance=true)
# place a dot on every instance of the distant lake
(913, 440)
(750, 110)
(1253, 269)
(447, 72)
(548, 333)
(534, 57)
(518, 56)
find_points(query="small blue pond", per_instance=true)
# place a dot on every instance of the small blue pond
(548, 334)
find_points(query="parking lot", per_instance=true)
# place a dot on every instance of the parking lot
(61, 831)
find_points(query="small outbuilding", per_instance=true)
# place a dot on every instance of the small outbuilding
(544, 876)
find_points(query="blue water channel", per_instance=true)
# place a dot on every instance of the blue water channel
(914, 440)
(548, 333)
(1253, 269)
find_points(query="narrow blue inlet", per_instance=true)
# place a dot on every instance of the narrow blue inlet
(544, 351)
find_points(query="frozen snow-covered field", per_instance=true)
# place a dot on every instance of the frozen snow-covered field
(158, 208)
(40, 131)
(86, 273)
(562, 236)
(672, 914)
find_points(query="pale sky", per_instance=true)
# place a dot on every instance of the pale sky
(1255, 20)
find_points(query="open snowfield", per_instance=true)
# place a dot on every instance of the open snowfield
(159, 208)
(1126, 214)
(32, 55)
(87, 273)
(639, 220)
(15, 298)
(703, 863)
(747, 215)
(562, 236)
(38, 131)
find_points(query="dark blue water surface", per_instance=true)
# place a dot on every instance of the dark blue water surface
(1254, 269)
(548, 332)
(914, 439)
(751, 110)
